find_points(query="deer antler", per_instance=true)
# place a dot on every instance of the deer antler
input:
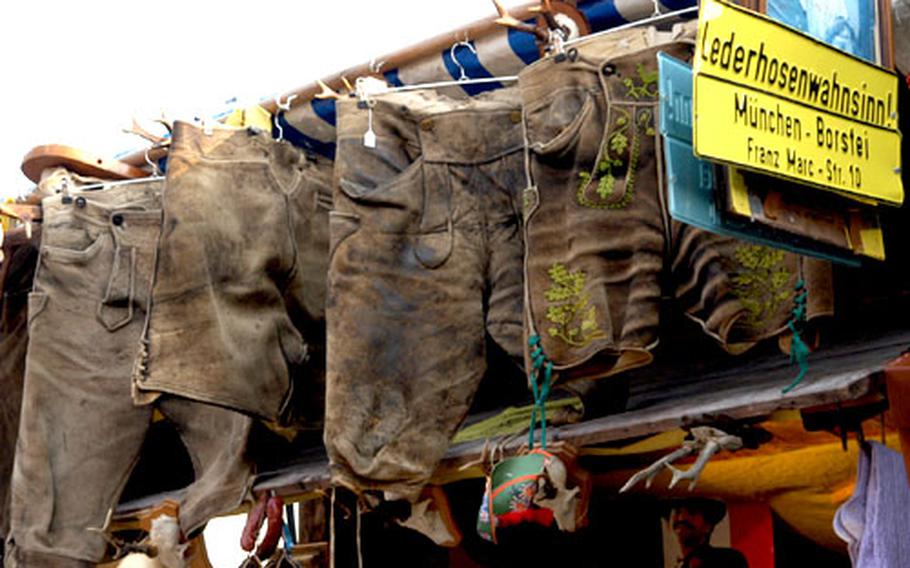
(136, 128)
(506, 19)
(707, 442)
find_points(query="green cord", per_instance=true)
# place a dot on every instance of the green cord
(540, 392)
(799, 350)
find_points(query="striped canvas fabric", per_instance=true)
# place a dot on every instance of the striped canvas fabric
(311, 125)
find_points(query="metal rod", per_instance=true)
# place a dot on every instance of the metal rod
(117, 183)
(439, 84)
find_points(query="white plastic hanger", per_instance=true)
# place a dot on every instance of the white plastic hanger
(370, 86)
(366, 88)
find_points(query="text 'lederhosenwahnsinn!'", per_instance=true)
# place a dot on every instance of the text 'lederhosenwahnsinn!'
(770, 70)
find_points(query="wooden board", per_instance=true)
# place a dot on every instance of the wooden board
(664, 397)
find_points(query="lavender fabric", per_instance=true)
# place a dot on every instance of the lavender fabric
(874, 521)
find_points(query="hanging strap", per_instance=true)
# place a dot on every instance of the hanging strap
(799, 350)
(541, 392)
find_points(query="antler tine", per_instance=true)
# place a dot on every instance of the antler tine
(650, 472)
(508, 20)
(136, 128)
(325, 92)
(347, 84)
(708, 441)
(544, 6)
(499, 8)
(714, 441)
(711, 448)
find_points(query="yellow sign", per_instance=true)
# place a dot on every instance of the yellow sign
(773, 100)
(745, 127)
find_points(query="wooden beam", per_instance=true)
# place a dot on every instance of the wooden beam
(668, 396)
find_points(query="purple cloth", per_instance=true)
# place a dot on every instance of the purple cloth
(875, 520)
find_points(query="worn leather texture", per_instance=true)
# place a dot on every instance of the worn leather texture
(80, 432)
(602, 251)
(426, 259)
(239, 292)
(16, 273)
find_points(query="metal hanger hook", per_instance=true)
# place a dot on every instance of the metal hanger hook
(281, 106)
(375, 66)
(463, 75)
(657, 11)
(155, 169)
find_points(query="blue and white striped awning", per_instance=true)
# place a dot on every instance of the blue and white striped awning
(311, 125)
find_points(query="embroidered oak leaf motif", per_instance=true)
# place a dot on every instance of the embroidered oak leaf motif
(762, 282)
(574, 320)
(605, 186)
(619, 142)
(645, 87)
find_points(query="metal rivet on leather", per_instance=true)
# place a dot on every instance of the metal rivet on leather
(609, 69)
(80, 202)
(117, 219)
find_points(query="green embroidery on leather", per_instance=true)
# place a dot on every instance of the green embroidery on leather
(616, 143)
(762, 282)
(645, 87)
(575, 321)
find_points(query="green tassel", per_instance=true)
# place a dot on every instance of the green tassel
(799, 350)
(540, 392)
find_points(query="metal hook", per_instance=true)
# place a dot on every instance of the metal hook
(657, 11)
(375, 66)
(285, 106)
(155, 169)
(463, 75)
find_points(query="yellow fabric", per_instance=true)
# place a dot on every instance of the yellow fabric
(255, 116)
(803, 476)
(6, 222)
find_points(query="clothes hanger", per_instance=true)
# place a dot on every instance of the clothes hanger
(368, 87)
(282, 107)
(156, 174)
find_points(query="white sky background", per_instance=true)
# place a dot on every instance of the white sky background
(75, 72)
